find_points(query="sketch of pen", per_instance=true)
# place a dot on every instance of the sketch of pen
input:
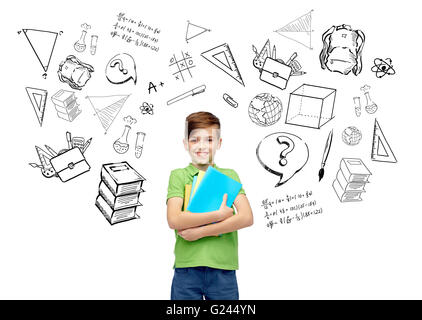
(86, 145)
(69, 140)
(294, 55)
(325, 155)
(187, 94)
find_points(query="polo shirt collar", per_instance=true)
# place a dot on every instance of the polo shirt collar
(192, 170)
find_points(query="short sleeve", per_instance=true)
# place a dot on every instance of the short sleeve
(176, 187)
(235, 176)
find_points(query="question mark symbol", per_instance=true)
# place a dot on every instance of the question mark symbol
(119, 63)
(289, 145)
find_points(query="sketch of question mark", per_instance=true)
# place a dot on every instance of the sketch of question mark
(119, 63)
(288, 146)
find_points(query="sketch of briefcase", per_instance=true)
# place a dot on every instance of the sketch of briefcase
(275, 73)
(70, 164)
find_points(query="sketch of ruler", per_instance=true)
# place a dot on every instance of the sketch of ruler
(222, 58)
(381, 150)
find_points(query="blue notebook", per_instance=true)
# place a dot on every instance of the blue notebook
(210, 192)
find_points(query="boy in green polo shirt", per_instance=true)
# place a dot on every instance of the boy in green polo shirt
(206, 243)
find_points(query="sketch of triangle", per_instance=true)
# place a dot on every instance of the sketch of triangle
(44, 158)
(223, 59)
(42, 43)
(38, 98)
(381, 150)
(193, 30)
(299, 30)
(107, 108)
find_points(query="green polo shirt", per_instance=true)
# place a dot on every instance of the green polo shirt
(215, 252)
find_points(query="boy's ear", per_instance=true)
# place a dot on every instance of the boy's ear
(219, 143)
(185, 144)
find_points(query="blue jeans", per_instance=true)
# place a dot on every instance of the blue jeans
(198, 283)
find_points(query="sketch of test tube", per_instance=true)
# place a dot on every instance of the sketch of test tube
(139, 145)
(358, 106)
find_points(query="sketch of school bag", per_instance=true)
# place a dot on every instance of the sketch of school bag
(342, 50)
(70, 164)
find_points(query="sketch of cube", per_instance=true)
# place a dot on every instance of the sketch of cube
(311, 106)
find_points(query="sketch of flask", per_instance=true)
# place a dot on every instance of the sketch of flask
(121, 145)
(80, 44)
(140, 136)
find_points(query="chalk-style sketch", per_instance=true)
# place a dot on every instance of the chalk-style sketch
(121, 145)
(42, 43)
(222, 57)
(371, 107)
(193, 30)
(93, 46)
(381, 150)
(351, 136)
(47, 169)
(327, 149)
(66, 164)
(119, 191)
(66, 105)
(107, 108)
(358, 106)
(351, 180)
(121, 68)
(187, 94)
(139, 144)
(147, 108)
(299, 30)
(383, 67)
(275, 71)
(38, 98)
(80, 45)
(230, 100)
(282, 154)
(342, 50)
(265, 109)
(74, 72)
(311, 106)
(181, 67)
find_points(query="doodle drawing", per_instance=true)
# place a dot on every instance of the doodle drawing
(47, 169)
(147, 108)
(107, 108)
(181, 66)
(358, 106)
(282, 154)
(193, 30)
(383, 67)
(119, 191)
(230, 100)
(38, 98)
(80, 45)
(299, 30)
(187, 94)
(351, 180)
(381, 150)
(42, 43)
(351, 136)
(121, 68)
(265, 109)
(74, 72)
(139, 145)
(70, 164)
(342, 50)
(66, 105)
(121, 145)
(311, 106)
(223, 59)
(371, 107)
(93, 46)
(327, 149)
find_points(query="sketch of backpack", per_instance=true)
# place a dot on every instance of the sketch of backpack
(342, 50)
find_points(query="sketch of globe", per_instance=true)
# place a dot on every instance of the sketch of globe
(351, 136)
(265, 109)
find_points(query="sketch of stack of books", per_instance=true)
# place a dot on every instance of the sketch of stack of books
(351, 180)
(66, 105)
(119, 191)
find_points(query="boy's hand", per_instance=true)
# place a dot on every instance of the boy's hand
(191, 234)
(225, 211)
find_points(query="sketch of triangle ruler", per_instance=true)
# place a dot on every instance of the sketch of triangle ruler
(38, 99)
(193, 30)
(107, 108)
(42, 43)
(299, 30)
(381, 150)
(222, 58)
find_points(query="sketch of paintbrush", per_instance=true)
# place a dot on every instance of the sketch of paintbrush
(325, 155)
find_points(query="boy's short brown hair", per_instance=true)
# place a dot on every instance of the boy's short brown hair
(200, 120)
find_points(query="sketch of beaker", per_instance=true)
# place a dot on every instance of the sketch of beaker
(121, 145)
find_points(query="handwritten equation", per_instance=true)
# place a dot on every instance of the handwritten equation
(289, 209)
(136, 32)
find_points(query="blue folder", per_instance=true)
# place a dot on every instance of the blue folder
(210, 192)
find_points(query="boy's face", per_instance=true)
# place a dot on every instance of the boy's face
(202, 145)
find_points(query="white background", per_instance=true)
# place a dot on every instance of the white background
(55, 244)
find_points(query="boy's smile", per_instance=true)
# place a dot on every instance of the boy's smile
(202, 145)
